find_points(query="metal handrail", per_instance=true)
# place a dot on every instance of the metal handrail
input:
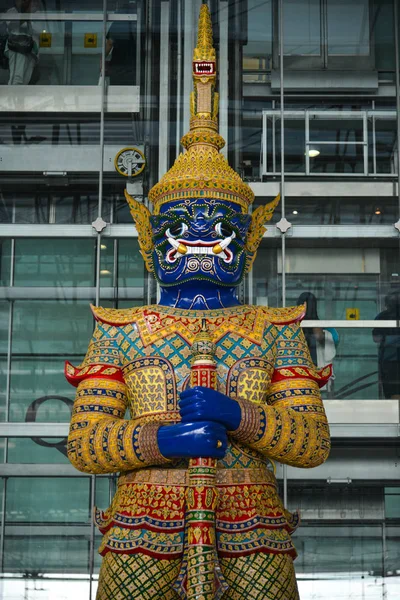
(363, 116)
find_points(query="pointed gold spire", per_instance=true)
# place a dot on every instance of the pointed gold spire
(202, 171)
(204, 100)
(204, 33)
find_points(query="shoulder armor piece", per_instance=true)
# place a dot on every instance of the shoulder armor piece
(285, 316)
(116, 316)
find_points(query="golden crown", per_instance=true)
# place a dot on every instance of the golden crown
(202, 171)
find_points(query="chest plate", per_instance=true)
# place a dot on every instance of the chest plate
(156, 361)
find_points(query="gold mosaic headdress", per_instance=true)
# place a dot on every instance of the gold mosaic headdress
(202, 171)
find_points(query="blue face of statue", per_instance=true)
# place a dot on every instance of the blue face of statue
(199, 240)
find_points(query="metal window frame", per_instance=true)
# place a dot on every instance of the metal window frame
(84, 16)
(324, 60)
(307, 114)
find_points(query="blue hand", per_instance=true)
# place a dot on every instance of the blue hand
(205, 404)
(188, 440)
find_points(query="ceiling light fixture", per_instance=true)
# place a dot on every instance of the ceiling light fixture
(295, 212)
(313, 152)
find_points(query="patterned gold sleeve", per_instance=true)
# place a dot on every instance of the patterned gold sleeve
(100, 439)
(292, 428)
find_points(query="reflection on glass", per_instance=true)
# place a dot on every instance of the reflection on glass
(257, 52)
(34, 378)
(385, 158)
(65, 503)
(54, 262)
(51, 328)
(348, 27)
(306, 210)
(52, 553)
(131, 271)
(365, 276)
(388, 340)
(17, 207)
(339, 562)
(302, 29)
(322, 341)
(37, 450)
(392, 502)
(121, 264)
(339, 158)
(5, 261)
(76, 208)
(121, 47)
(3, 388)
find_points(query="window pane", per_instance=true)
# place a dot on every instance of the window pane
(348, 27)
(47, 534)
(5, 261)
(45, 334)
(302, 27)
(48, 262)
(339, 562)
(257, 52)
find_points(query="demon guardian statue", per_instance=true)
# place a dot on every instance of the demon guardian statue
(215, 391)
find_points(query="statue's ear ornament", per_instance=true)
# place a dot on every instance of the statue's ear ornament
(260, 216)
(141, 216)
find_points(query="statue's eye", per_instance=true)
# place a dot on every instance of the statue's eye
(176, 230)
(223, 230)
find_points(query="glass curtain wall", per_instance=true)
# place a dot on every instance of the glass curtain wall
(309, 107)
(320, 126)
(72, 129)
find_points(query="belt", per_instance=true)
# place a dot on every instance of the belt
(164, 476)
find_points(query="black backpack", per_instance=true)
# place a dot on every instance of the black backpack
(3, 42)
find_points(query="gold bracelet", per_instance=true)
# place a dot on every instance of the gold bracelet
(148, 445)
(250, 422)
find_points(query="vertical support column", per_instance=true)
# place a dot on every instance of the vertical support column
(188, 45)
(139, 58)
(163, 131)
(223, 70)
(178, 79)
(235, 45)
(3, 525)
(282, 115)
(98, 257)
(397, 71)
(101, 149)
(92, 497)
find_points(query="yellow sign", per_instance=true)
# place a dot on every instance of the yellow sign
(90, 40)
(45, 39)
(352, 314)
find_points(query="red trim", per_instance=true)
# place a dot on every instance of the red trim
(221, 553)
(320, 376)
(225, 554)
(167, 556)
(75, 375)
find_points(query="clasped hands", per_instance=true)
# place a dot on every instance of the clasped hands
(206, 417)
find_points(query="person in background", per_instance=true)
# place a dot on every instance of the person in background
(22, 47)
(121, 52)
(389, 347)
(321, 341)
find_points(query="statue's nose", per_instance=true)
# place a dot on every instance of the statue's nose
(201, 224)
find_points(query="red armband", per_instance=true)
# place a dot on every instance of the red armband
(320, 376)
(75, 375)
